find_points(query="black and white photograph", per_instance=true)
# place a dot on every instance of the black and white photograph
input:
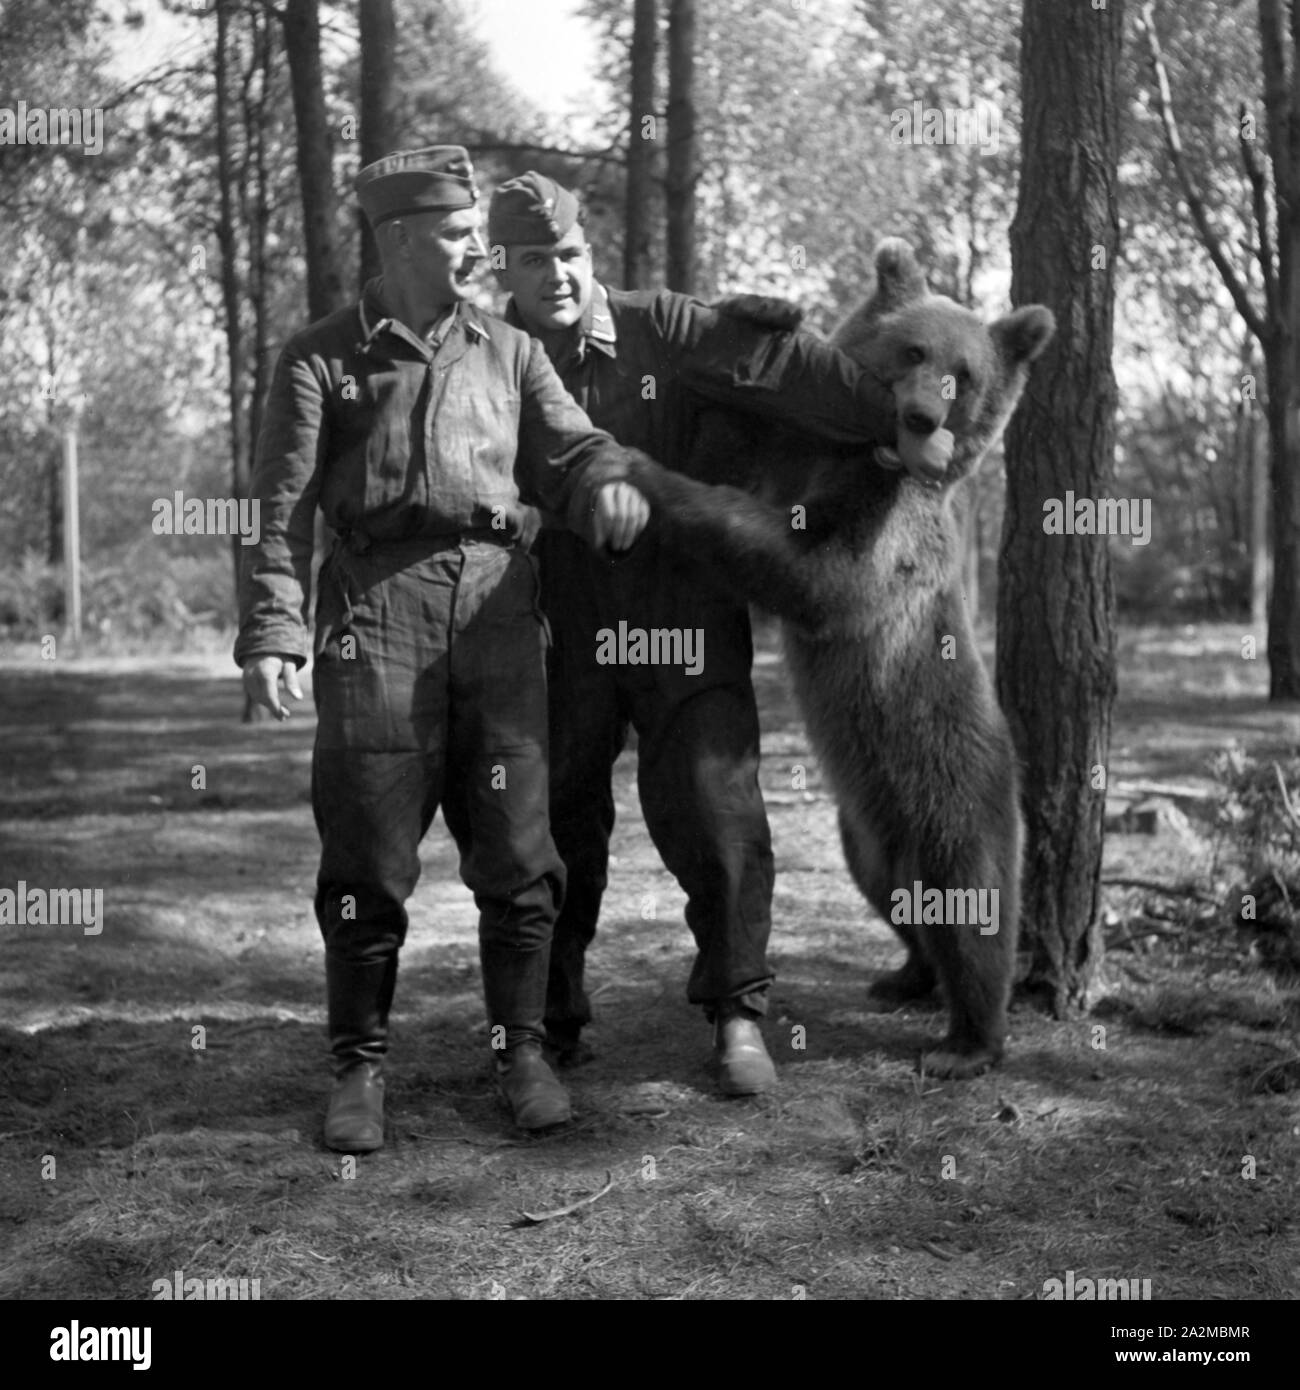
(649, 652)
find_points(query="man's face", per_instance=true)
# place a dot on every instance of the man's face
(440, 252)
(551, 284)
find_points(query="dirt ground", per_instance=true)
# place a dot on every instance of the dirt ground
(129, 1151)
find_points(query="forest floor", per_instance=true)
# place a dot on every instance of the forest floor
(1156, 1148)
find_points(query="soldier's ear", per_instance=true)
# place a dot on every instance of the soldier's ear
(392, 237)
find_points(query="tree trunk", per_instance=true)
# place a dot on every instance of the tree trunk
(227, 239)
(682, 172)
(1056, 642)
(1279, 34)
(257, 114)
(1284, 460)
(638, 219)
(378, 105)
(325, 291)
(1257, 461)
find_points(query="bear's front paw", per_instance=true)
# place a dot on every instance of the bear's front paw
(644, 474)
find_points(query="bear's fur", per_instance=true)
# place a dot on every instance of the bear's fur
(862, 564)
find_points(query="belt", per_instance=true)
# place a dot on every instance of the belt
(360, 542)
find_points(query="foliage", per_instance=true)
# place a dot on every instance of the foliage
(1259, 813)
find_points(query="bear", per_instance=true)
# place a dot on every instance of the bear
(861, 563)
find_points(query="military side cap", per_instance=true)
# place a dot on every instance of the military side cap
(435, 178)
(531, 210)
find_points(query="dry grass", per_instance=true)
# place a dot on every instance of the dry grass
(857, 1179)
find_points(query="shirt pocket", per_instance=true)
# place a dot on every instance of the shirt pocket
(392, 467)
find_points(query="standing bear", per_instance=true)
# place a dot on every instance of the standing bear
(862, 563)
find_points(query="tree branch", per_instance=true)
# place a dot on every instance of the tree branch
(1259, 198)
(1209, 238)
(608, 156)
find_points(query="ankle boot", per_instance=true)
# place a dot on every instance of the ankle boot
(745, 1068)
(360, 996)
(536, 1099)
(354, 1122)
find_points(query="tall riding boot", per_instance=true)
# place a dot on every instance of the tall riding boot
(514, 988)
(360, 996)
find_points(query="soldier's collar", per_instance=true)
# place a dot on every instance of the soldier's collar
(594, 329)
(598, 323)
(376, 320)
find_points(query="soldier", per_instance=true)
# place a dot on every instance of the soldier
(414, 422)
(641, 364)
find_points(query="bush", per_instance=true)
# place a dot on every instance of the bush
(1260, 813)
(141, 592)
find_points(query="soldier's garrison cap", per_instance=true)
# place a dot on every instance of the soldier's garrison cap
(531, 210)
(437, 178)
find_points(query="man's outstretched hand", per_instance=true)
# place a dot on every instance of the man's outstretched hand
(262, 680)
(620, 517)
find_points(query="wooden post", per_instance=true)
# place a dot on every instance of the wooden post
(71, 536)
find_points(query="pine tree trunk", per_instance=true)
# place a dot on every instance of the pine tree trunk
(378, 105)
(325, 291)
(1279, 35)
(1056, 642)
(682, 173)
(642, 133)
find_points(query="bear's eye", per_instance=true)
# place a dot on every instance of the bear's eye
(963, 377)
(914, 355)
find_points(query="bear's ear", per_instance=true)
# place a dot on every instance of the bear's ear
(1023, 334)
(899, 280)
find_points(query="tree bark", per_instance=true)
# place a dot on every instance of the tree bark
(378, 105)
(1280, 48)
(325, 291)
(257, 101)
(638, 271)
(1056, 642)
(227, 239)
(682, 172)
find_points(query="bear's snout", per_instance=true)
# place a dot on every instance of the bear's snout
(920, 422)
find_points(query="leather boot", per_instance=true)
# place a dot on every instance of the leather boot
(514, 948)
(354, 1122)
(744, 1066)
(360, 996)
(536, 1099)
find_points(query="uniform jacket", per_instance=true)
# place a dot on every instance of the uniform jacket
(398, 440)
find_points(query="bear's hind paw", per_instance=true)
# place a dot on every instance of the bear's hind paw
(948, 1065)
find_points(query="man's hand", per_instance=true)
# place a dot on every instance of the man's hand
(261, 681)
(925, 456)
(620, 517)
(763, 309)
